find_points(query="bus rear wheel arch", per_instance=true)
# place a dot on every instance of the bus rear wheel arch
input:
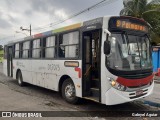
(69, 92)
(20, 78)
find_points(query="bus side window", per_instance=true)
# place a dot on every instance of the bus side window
(25, 52)
(50, 44)
(17, 53)
(36, 50)
(69, 45)
(21, 49)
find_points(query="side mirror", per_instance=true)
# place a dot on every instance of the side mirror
(107, 47)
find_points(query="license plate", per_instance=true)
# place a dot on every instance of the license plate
(139, 92)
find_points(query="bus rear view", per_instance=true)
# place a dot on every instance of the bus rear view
(127, 60)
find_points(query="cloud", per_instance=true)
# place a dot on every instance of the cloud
(61, 14)
(43, 6)
(28, 12)
(40, 13)
(4, 24)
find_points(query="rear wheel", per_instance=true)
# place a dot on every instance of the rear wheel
(20, 79)
(69, 92)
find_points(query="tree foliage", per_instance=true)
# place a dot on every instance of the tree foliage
(149, 11)
(1, 47)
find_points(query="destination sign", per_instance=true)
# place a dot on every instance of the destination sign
(129, 25)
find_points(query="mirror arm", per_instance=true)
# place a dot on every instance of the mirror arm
(106, 31)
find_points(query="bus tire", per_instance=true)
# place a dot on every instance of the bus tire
(20, 79)
(69, 92)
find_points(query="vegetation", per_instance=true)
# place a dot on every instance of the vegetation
(1, 56)
(1, 53)
(1, 47)
(149, 11)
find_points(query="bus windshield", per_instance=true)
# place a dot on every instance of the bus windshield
(129, 52)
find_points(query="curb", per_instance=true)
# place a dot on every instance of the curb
(154, 104)
(157, 81)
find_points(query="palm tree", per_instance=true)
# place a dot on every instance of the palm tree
(137, 8)
(149, 11)
(134, 8)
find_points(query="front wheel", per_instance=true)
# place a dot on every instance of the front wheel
(20, 79)
(69, 92)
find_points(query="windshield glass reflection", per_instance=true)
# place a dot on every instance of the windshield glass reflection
(129, 52)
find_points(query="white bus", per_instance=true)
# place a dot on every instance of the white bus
(107, 60)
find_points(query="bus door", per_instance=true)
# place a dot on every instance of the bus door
(10, 61)
(91, 64)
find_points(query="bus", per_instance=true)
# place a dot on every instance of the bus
(1, 56)
(107, 60)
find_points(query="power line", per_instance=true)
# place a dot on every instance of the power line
(76, 14)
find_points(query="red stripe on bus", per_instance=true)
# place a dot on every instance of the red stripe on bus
(38, 35)
(79, 71)
(134, 82)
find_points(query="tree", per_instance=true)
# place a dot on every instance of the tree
(134, 8)
(1, 47)
(149, 11)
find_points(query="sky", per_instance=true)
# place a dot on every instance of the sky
(41, 13)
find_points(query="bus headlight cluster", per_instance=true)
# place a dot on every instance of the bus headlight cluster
(116, 85)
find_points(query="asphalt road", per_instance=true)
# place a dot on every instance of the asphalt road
(33, 98)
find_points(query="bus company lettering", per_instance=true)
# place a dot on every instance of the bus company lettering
(54, 67)
(45, 76)
(42, 68)
(20, 64)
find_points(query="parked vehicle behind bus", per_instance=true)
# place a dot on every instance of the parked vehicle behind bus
(107, 60)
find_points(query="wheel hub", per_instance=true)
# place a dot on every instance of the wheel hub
(69, 91)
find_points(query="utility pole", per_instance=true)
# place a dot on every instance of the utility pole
(29, 30)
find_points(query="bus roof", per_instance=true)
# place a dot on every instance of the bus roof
(51, 32)
(70, 27)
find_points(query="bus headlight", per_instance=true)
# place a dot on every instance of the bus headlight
(116, 85)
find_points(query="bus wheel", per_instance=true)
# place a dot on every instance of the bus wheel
(20, 79)
(69, 92)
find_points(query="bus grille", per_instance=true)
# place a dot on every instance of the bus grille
(133, 95)
(137, 96)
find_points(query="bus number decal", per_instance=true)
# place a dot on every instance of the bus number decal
(54, 67)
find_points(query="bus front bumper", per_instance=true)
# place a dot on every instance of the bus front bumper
(114, 96)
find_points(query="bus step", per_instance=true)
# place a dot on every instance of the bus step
(95, 99)
(95, 83)
(95, 92)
